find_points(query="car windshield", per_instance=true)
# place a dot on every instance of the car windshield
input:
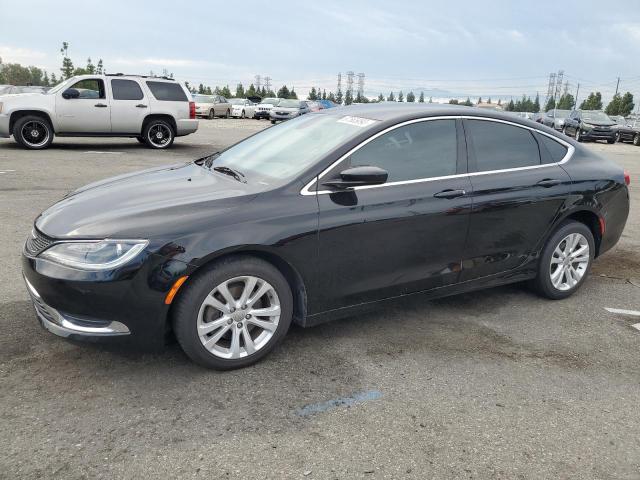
(617, 118)
(289, 104)
(595, 116)
(278, 154)
(272, 101)
(202, 99)
(60, 86)
(237, 101)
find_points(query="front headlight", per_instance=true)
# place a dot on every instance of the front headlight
(94, 255)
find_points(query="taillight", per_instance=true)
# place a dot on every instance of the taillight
(627, 178)
(192, 110)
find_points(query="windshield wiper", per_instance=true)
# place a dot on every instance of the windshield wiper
(231, 172)
(208, 160)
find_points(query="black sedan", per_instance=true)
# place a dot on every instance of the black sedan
(321, 217)
(629, 131)
(586, 125)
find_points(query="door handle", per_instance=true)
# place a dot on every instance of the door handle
(449, 193)
(100, 105)
(549, 182)
(141, 105)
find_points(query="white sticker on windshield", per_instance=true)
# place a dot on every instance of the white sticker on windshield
(357, 121)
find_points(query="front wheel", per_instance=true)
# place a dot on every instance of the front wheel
(578, 136)
(636, 140)
(611, 140)
(33, 132)
(228, 114)
(158, 134)
(212, 114)
(273, 122)
(564, 130)
(233, 313)
(565, 261)
(243, 115)
(618, 138)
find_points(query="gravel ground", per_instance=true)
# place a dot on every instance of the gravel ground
(493, 384)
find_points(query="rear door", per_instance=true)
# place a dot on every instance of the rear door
(406, 235)
(129, 106)
(518, 190)
(89, 113)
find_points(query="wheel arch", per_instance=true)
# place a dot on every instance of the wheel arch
(588, 217)
(288, 271)
(160, 116)
(18, 114)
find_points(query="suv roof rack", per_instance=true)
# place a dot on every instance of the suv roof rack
(141, 76)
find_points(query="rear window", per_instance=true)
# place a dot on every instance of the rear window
(170, 92)
(126, 90)
(556, 150)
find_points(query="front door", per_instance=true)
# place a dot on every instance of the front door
(89, 113)
(128, 106)
(518, 191)
(404, 236)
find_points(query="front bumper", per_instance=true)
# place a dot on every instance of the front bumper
(127, 304)
(261, 114)
(4, 125)
(275, 116)
(594, 134)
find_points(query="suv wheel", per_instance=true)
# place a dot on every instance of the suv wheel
(233, 313)
(158, 134)
(212, 114)
(33, 132)
(578, 136)
(565, 261)
(618, 139)
(636, 140)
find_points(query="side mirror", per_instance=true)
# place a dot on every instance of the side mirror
(70, 93)
(359, 176)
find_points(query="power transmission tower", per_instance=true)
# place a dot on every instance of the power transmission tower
(350, 75)
(559, 76)
(339, 83)
(267, 83)
(258, 82)
(566, 87)
(550, 88)
(361, 85)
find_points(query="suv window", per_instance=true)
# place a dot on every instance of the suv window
(126, 90)
(419, 150)
(556, 150)
(498, 146)
(90, 88)
(166, 91)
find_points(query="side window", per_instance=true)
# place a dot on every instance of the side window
(556, 150)
(419, 150)
(126, 90)
(167, 91)
(498, 146)
(90, 88)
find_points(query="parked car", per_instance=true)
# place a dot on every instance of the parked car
(211, 106)
(314, 106)
(6, 89)
(555, 118)
(242, 108)
(288, 109)
(265, 106)
(320, 217)
(629, 132)
(586, 125)
(153, 110)
(328, 103)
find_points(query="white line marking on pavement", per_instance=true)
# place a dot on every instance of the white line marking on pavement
(635, 313)
(636, 326)
(7, 171)
(111, 153)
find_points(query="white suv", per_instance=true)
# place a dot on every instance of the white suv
(153, 110)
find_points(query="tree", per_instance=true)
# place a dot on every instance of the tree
(201, 89)
(90, 68)
(251, 91)
(411, 97)
(453, 101)
(536, 104)
(467, 102)
(620, 105)
(339, 96)
(99, 68)
(511, 107)
(67, 65)
(479, 100)
(592, 102)
(551, 104)
(421, 98)
(54, 80)
(489, 100)
(324, 94)
(283, 92)
(430, 99)
(400, 96)
(312, 94)
(566, 102)
(45, 80)
(348, 98)
(292, 94)
(331, 97)
(381, 98)
(391, 97)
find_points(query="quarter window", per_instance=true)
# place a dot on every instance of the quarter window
(167, 91)
(126, 90)
(418, 150)
(498, 146)
(90, 88)
(556, 150)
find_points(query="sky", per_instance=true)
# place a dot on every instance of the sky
(446, 48)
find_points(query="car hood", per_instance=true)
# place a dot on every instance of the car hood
(150, 204)
(599, 124)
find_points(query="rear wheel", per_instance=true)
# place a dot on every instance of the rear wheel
(158, 134)
(618, 139)
(243, 115)
(578, 136)
(211, 115)
(611, 140)
(565, 261)
(33, 132)
(636, 140)
(233, 313)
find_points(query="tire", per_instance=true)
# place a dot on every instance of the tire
(33, 132)
(555, 249)
(212, 114)
(191, 316)
(141, 140)
(578, 137)
(242, 116)
(611, 140)
(273, 122)
(564, 130)
(618, 138)
(152, 129)
(228, 114)
(636, 140)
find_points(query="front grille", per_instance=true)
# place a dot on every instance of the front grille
(37, 242)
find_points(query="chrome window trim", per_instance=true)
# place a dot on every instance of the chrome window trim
(570, 150)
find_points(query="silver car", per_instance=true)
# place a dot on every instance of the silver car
(287, 109)
(211, 106)
(555, 118)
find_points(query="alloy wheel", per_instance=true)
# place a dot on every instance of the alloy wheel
(159, 135)
(238, 317)
(35, 133)
(569, 262)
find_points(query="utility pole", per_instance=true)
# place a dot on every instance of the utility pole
(361, 85)
(267, 83)
(258, 82)
(350, 75)
(577, 91)
(617, 85)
